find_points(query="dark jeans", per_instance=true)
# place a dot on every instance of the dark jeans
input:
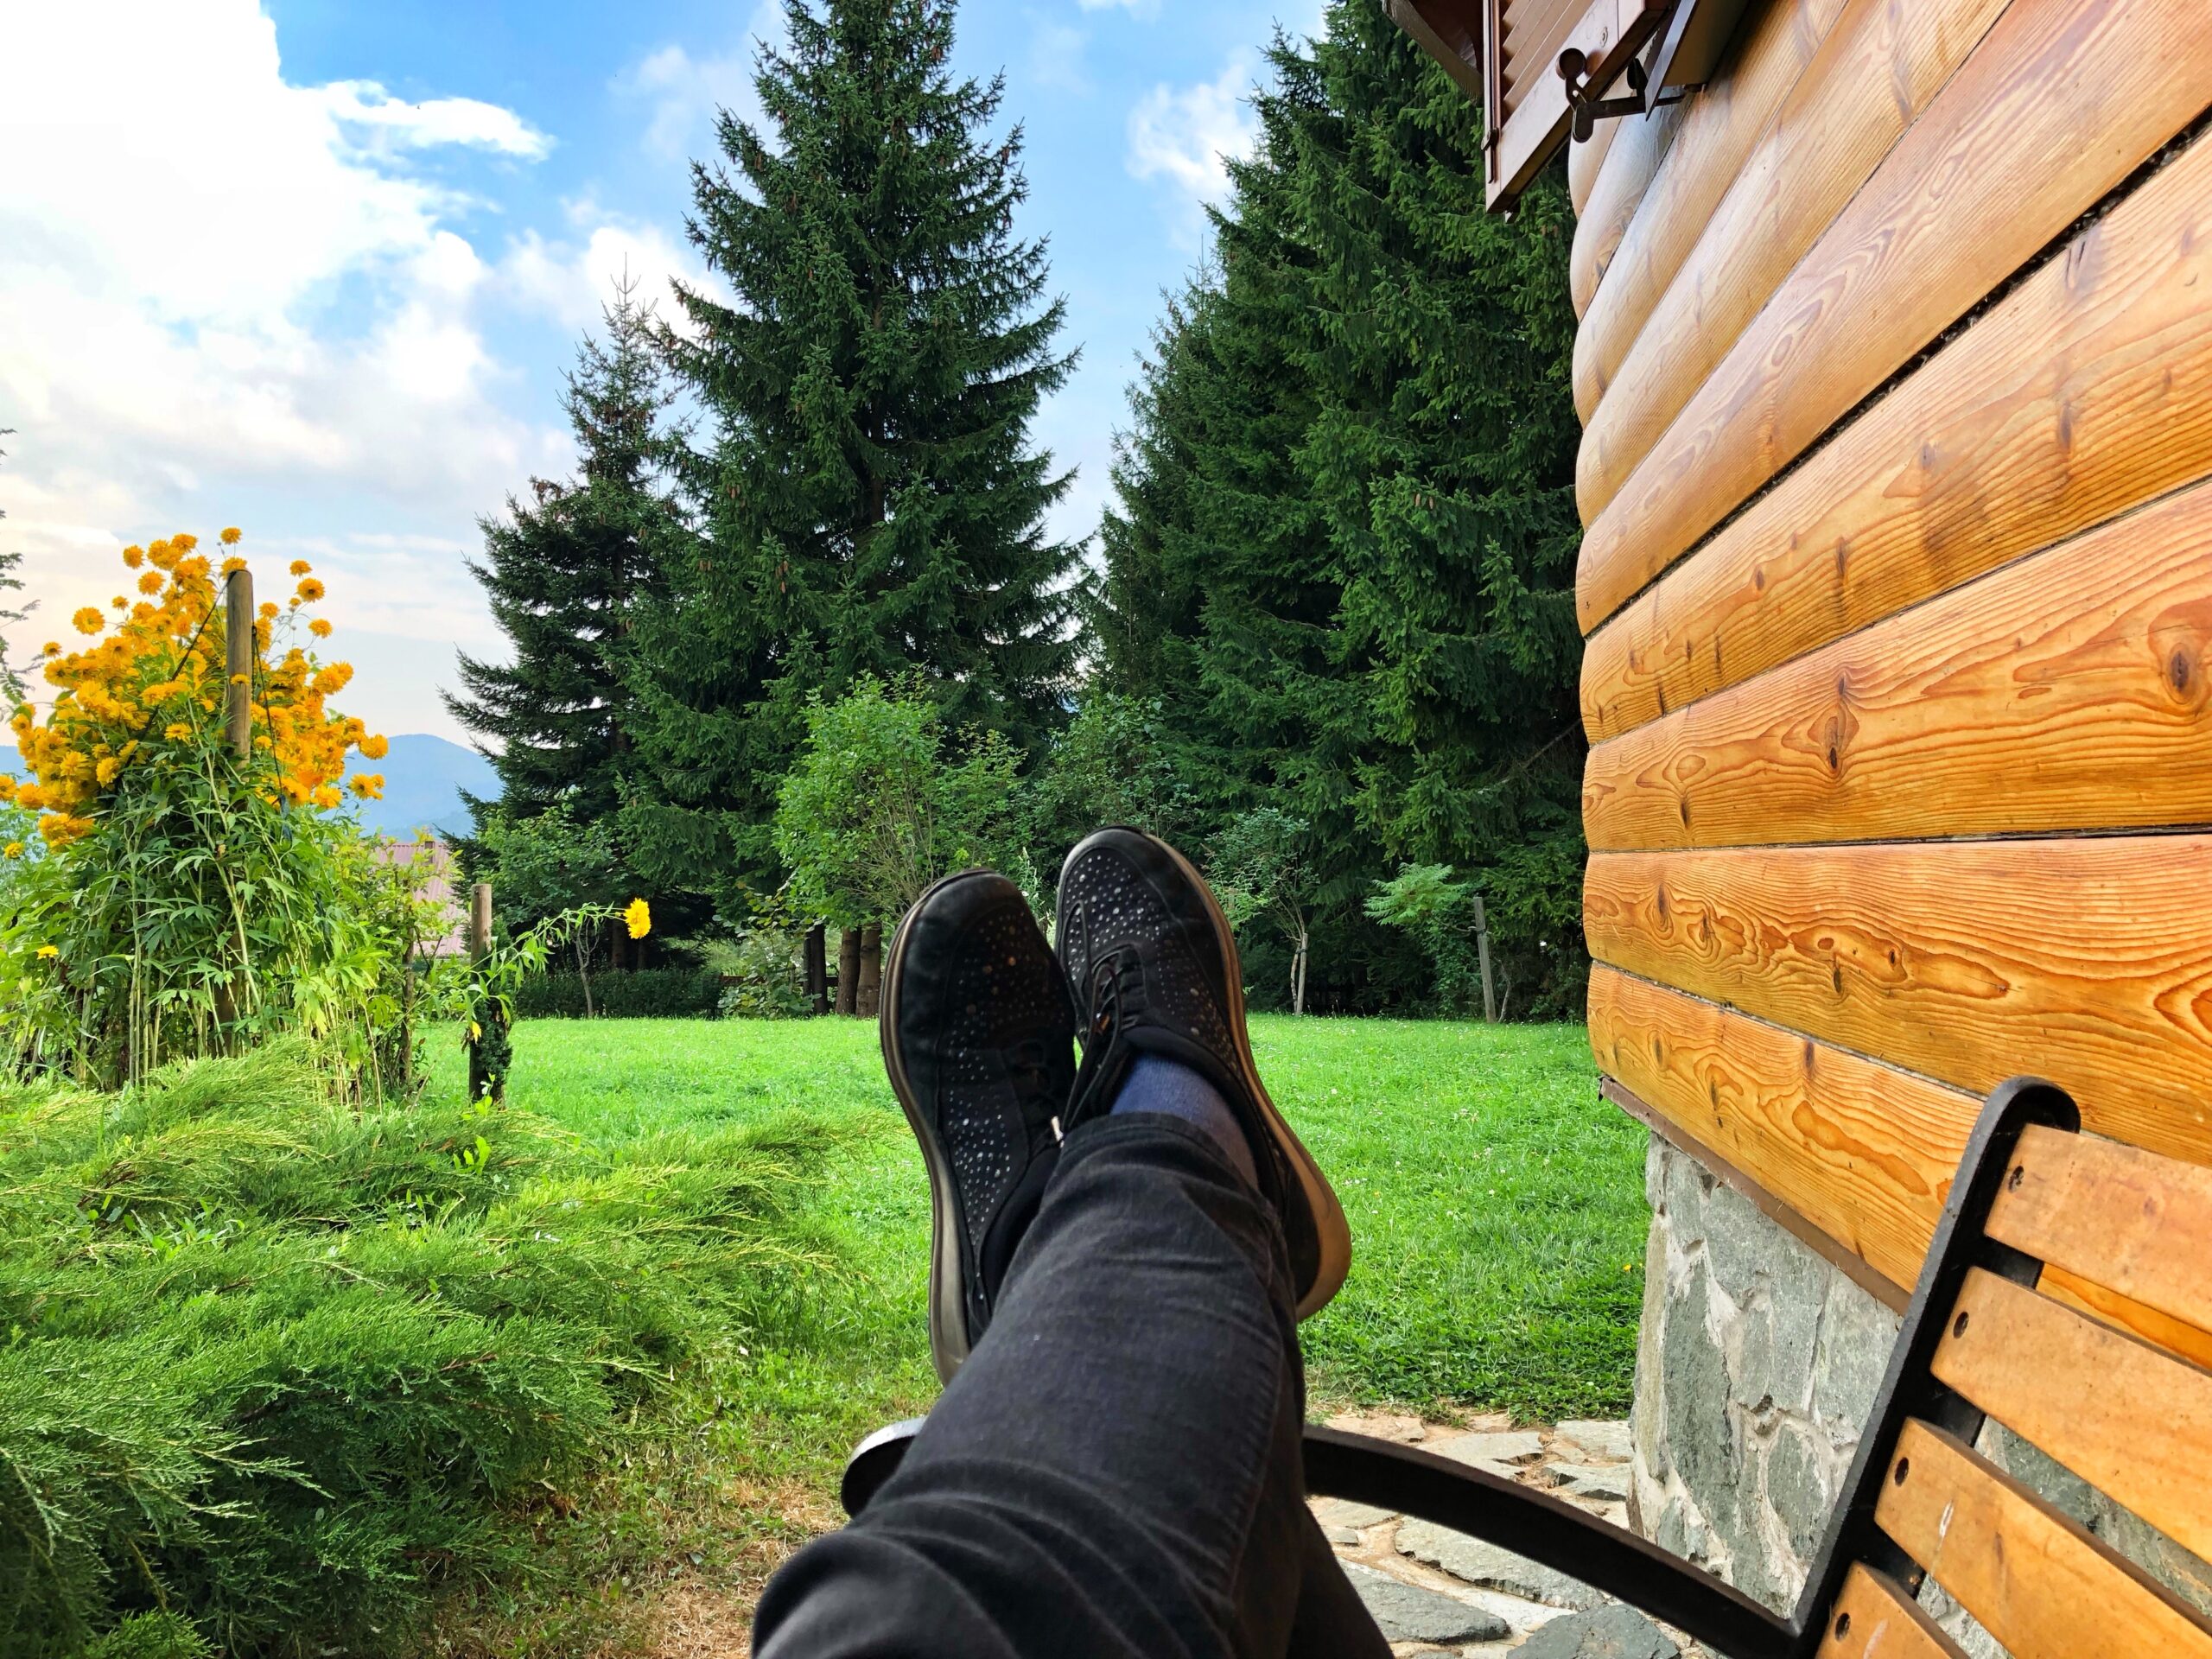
(1115, 1471)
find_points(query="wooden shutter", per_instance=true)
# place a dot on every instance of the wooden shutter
(1506, 53)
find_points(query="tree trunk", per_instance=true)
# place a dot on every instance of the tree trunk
(583, 968)
(1297, 970)
(617, 936)
(867, 994)
(849, 967)
(818, 968)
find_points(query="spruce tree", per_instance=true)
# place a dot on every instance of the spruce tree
(1344, 552)
(563, 572)
(866, 497)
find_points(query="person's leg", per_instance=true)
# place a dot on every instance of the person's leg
(1115, 1469)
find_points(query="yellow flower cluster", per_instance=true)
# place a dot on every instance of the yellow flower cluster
(161, 671)
(638, 917)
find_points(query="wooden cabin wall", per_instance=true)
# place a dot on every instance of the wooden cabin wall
(1896, 586)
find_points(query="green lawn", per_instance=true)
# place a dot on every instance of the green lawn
(1497, 1212)
(1496, 1201)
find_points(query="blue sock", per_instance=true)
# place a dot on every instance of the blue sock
(1156, 1085)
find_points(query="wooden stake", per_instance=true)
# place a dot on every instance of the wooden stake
(1482, 951)
(238, 657)
(480, 921)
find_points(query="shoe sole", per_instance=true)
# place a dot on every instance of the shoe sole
(949, 1343)
(1332, 1230)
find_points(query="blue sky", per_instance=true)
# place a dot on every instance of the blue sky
(314, 267)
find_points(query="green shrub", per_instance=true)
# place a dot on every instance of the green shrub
(278, 1366)
(648, 993)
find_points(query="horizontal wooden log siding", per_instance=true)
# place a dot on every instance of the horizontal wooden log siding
(2071, 690)
(1584, 160)
(1863, 1151)
(1639, 147)
(1881, 66)
(2064, 100)
(1719, 126)
(2087, 390)
(2083, 960)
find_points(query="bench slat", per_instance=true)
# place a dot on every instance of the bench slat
(2161, 1330)
(1874, 1619)
(2116, 1216)
(2039, 1584)
(2126, 1418)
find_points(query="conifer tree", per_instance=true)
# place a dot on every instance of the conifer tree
(563, 574)
(1344, 551)
(866, 495)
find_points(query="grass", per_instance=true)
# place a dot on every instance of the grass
(1496, 1201)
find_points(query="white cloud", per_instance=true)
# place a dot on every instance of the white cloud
(1182, 134)
(439, 121)
(684, 93)
(239, 293)
(570, 282)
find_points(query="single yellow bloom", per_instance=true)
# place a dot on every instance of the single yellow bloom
(311, 589)
(106, 771)
(638, 917)
(238, 679)
(268, 610)
(233, 565)
(150, 582)
(376, 746)
(475, 1031)
(52, 648)
(49, 949)
(134, 557)
(229, 537)
(177, 731)
(301, 567)
(320, 627)
(13, 850)
(120, 602)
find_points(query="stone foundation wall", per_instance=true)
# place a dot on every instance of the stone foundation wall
(1755, 1369)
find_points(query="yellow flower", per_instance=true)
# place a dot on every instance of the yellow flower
(150, 582)
(638, 917)
(120, 602)
(177, 731)
(238, 679)
(320, 627)
(49, 949)
(13, 850)
(89, 619)
(52, 648)
(375, 747)
(301, 567)
(134, 557)
(268, 610)
(311, 589)
(233, 565)
(229, 537)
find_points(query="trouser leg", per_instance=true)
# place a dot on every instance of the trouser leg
(1115, 1471)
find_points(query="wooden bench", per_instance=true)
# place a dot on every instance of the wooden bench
(2042, 1225)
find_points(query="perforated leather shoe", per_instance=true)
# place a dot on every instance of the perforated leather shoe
(979, 1040)
(1153, 965)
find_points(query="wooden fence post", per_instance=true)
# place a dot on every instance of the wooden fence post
(487, 1045)
(238, 655)
(849, 967)
(1482, 951)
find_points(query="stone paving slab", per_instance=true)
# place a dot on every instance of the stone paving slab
(1510, 1446)
(1343, 1512)
(1603, 1485)
(1609, 1441)
(1406, 1612)
(1614, 1632)
(1490, 1568)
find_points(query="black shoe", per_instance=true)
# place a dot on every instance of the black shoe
(1154, 966)
(979, 1038)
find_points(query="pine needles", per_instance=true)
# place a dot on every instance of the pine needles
(279, 1366)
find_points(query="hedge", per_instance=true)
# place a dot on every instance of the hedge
(649, 994)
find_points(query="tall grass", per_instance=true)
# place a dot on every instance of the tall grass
(278, 1367)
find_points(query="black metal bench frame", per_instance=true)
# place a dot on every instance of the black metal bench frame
(1407, 1481)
